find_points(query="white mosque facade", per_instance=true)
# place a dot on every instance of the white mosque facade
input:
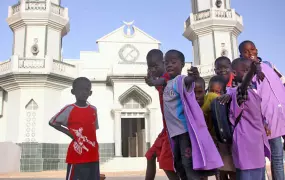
(36, 81)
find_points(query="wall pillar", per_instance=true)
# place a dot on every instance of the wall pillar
(118, 133)
(152, 125)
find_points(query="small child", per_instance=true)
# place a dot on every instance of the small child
(223, 68)
(161, 148)
(204, 102)
(80, 121)
(250, 144)
(271, 90)
(192, 145)
(217, 87)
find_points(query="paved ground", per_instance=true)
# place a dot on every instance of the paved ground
(110, 178)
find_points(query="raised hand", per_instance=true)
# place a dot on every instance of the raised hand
(193, 71)
(225, 98)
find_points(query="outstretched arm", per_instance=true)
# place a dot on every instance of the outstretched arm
(188, 81)
(155, 82)
(248, 77)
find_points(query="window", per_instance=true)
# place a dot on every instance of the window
(32, 105)
(133, 103)
(31, 117)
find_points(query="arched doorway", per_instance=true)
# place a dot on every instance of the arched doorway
(130, 123)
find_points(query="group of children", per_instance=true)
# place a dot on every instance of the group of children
(188, 147)
(253, 91)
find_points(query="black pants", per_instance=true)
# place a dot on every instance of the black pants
(85, 171)
(183, 159)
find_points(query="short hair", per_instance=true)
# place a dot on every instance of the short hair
(179, 54)
(241, 45)
(218, 79)
(201, 81)
(222, 58)
(236, 62)
(75, 82)
(154, 53)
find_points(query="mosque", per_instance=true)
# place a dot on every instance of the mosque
(36, 81)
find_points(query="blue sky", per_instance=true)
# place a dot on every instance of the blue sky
(163, 19)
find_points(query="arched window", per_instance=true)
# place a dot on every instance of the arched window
(133, 103)
(32, 105)
(31, 119)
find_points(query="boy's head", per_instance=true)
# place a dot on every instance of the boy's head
(223, 67)
(217, 84)
(81, 88)
(174, 62)
(155, 64)
(240, 67)
(200, 90)
(247, 50)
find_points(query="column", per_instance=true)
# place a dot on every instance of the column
(118, 133)
(152, 125)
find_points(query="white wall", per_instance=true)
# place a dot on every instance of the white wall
(19, 41)
(54, 43)
(32, 33)
(206, 49)
(223, 37)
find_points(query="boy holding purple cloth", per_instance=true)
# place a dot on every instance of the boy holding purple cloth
(271, 90)
(250, 144)
(193, 148)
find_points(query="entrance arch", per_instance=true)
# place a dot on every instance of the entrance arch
(130, 124)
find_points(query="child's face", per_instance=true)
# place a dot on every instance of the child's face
(241, 70)
(82, 90)
(173, 65)
(216, 87)
(199, 93)
(249, 51)
(223, 68)
(155, 67)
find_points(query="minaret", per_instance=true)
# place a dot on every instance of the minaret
(213, 28)
(38, 28)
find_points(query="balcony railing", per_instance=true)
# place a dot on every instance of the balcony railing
(31, 63)
(37, 66)
(59, 67)
(38, 6)
(206, 70)
(214, 14)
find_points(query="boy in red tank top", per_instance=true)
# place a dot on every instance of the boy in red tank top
(79, 121)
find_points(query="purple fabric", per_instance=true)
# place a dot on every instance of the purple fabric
(204, 152)
(250, 144)
(272, 93)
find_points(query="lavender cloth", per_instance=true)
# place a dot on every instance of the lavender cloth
(250, 144)
(204, 152)
(272, 92)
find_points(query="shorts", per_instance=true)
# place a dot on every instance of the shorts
(85, 171)
(184, 161)
(162, 150)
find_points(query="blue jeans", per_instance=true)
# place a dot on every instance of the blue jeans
(277, 163)
(251, 174)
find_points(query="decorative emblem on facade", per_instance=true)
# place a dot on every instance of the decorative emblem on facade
(224, 51)
(129, 30)
(35, 47)
(129, 53)
(219, 3)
